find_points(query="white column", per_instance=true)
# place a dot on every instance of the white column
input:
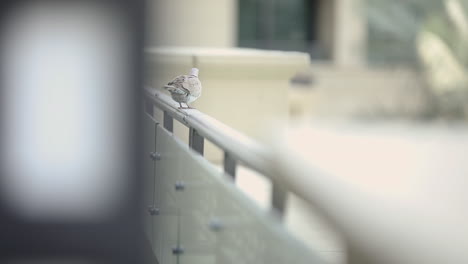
(350, 39)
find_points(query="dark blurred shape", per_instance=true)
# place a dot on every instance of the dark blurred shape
(70, 92)
(303, 80)
(282, 25)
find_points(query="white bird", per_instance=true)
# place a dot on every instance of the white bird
(185, 88)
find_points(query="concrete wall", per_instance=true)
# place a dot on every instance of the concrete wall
(341, 92)
(206, 23)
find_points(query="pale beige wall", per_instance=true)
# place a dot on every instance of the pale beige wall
(347, 93)
(350, 29)
(210, 23)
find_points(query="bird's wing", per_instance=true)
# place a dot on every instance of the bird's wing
(177, 81)
(175, 90)
(177, 85)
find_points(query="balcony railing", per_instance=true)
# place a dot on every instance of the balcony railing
(195, 213)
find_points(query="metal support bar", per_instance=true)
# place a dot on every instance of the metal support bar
(168, 122)
(358, 256)
(196, 141)
(229, 165)
(278, 198)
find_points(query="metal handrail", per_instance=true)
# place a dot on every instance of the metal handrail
(236, 146)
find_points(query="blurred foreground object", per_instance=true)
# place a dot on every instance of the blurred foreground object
(185, 88)
(69, 79)
(397, 192)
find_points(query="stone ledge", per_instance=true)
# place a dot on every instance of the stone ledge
(231, 63)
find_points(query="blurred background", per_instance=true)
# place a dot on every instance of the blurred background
(377, 59)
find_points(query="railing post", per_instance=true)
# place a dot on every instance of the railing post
(278, 198)
(229, 165)
(196, 142)
(168, 122)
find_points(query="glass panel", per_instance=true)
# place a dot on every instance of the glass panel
(165, 237)
(194, 259)
(198, 202)
(165, 224)
(250, 235)
(209, 218)
(166, 256)
(148, 172)
(188, 203)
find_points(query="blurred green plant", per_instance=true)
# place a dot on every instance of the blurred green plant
(431, 36)
(393, 27)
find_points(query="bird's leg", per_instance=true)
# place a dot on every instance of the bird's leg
(180, 105)
(189, 107)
